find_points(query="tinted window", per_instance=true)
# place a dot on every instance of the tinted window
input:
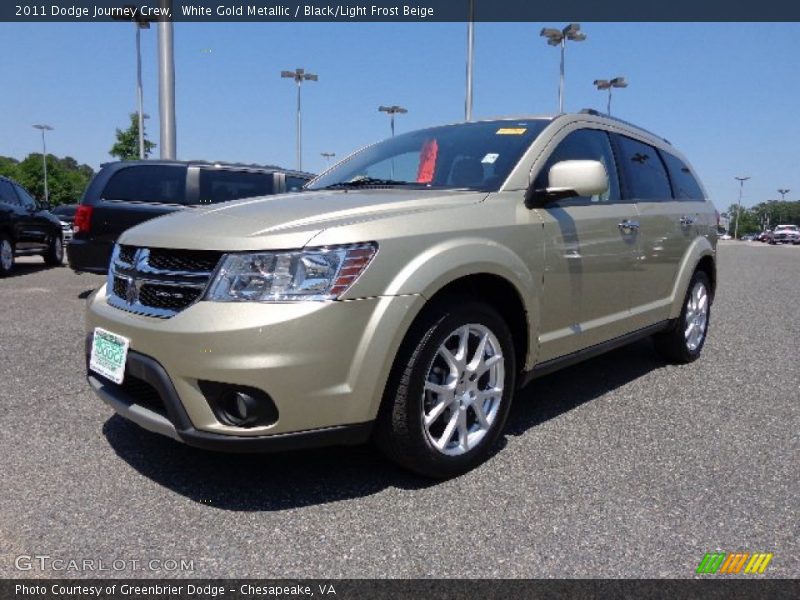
(221, 186)
(7, 195)
(65, 210)
(644, 173)
(684, 184)
(584, 144)
(25, 198)
(164, 184)
(469, 155)
(295, 184)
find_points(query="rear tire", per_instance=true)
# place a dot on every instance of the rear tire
(684, 341)
(54, 256)
(450, 390)
(6, 255)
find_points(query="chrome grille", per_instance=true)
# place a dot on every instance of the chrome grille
(158, 282)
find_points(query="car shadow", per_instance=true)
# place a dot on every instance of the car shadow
(27, 268)
(271, 482)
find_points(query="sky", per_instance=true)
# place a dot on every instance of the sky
(726, 95)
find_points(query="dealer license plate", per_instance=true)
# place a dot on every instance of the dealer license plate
(109, 352)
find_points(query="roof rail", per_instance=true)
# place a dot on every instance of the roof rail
(595, 113)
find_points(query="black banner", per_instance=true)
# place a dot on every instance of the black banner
(410, 589)
(396, 10)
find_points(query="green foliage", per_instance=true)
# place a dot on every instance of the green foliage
(66, 179)
(127, 144)
(774, 212)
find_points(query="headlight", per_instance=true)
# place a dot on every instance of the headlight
(310, 274)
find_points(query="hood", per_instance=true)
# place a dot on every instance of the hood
(287, 220)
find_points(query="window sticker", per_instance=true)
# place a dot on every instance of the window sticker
(511, 130)
(490, 158)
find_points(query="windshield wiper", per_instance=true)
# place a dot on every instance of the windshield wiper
(368, 181)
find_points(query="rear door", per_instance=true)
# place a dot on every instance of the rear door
(670, 203)
(15, 214)
(135, 194)
(589, 257)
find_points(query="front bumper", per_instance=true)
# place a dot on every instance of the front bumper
(323, 364)
(172, 421)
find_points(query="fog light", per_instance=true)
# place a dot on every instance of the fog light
(239, 406)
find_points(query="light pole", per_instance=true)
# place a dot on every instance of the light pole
(783, 192)
(299, 76)
(392, 111)
(609, 84)
(556, 37)
(470, 54)
(44, 128)
(140, 24)
(741, 181)
(328, 156)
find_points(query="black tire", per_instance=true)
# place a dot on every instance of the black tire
(7, 260)
(400, 431)
(672, 344)
(54, 256)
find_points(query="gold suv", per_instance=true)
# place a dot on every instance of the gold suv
(408, 291)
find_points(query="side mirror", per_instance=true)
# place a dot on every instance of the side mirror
(570, 178)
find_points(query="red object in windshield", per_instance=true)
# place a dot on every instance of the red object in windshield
(427, 161)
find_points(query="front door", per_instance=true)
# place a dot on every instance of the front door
(590, 255)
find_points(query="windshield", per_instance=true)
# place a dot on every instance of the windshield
(475, 156)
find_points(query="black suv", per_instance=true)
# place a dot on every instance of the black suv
(26, 228)
(124, 194)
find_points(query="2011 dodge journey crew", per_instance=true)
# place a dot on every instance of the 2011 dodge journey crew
(408, 292)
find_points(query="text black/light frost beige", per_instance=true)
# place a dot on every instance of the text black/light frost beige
(408, 292)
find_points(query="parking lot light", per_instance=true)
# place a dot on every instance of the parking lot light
(741, 181)
(783, 192)
(392, 111)
(44, 128)
(299, 76)
(328, 156)
(556, 37)
(609, 84)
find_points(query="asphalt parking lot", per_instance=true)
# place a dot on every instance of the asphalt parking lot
(622, 466)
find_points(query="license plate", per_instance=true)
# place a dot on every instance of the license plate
(109, 352)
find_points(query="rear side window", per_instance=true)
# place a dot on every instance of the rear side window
(643, 171)
(295, 184)
(221, 186)
(684, 185)
(7, 194)
(157, 183)
(583, 144)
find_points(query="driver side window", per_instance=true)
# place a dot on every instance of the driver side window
(584, 144)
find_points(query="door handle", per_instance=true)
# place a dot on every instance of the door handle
(628, 226)
(685, 221)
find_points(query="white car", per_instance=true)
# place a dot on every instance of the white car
(785, 234)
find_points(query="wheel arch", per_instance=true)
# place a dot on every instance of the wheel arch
(700, 256)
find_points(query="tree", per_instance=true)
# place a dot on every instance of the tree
(66, 179)
(127, 144)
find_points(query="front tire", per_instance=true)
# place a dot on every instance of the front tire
(684, 342)
(6, 255)
(54, 256)
(450, 390)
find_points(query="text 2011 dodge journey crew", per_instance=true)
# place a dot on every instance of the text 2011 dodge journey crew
(408, 292)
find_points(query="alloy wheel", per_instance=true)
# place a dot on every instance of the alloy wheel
(696, 316)
(6, 254)
(463, 389)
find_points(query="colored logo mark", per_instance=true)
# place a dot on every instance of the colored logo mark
(723, 562)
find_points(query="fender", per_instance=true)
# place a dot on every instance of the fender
(439, 265)
(699, 248)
